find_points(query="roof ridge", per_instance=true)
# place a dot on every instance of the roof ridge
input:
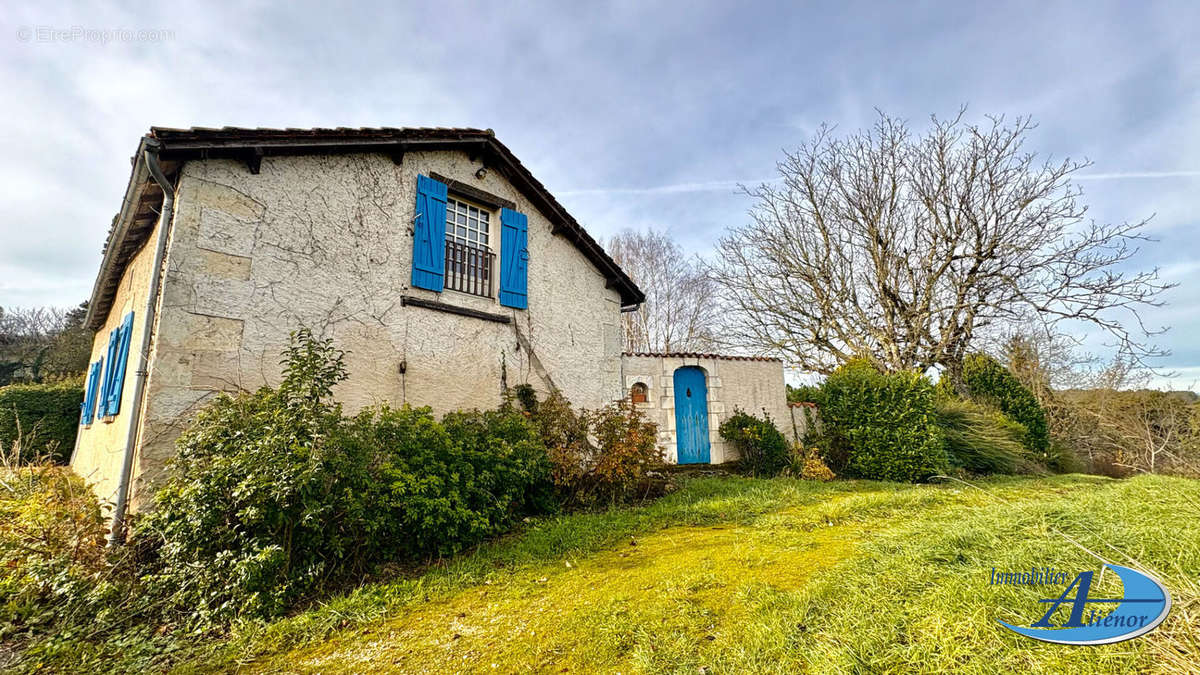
(703, 355)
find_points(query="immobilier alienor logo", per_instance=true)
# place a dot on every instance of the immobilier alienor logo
(1143, 605)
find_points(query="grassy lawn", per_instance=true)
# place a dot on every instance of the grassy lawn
(742, 575)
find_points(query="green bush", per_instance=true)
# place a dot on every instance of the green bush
(763, 450)
(805, 393)
(58, 581)
(262, 504)
(51, 547)
(880, 425)
(504, 446)
(441, 486)
(981, 439)
(44, 418)
(275, 495)
(990, 383)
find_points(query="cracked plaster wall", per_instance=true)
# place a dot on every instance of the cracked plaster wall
(326, 242)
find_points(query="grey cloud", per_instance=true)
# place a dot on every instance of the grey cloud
(635, 114)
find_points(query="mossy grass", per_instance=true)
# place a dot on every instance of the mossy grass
(747, 575)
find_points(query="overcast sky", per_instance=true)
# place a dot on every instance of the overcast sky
(633, 114)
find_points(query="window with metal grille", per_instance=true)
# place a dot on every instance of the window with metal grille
(469, 259)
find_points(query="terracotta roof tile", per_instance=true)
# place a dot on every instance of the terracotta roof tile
(700, 355)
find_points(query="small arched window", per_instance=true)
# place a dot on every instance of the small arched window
(639, 393)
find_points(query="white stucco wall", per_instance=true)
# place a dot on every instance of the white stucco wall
(326, 242)
(803, 416)
(753, 385)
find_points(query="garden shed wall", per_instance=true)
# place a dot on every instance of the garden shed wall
(752, 384)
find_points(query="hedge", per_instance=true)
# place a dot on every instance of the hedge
(275, 496)
(44, 416)
(879, 425)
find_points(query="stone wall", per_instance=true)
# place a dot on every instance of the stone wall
(753, 385)
(326, 242)
(100, 448)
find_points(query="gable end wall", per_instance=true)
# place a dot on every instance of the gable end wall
(326, 242)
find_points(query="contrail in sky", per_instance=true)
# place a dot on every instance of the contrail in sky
(734, 185)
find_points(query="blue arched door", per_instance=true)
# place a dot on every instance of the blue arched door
(691, 416)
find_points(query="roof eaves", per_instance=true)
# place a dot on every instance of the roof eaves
(246, 143)
(136, 191)
(234, 142)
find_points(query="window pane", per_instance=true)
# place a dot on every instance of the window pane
(466, 224)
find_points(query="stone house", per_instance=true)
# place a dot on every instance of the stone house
(446, 271)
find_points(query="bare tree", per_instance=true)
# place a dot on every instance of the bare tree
(71, 347)
(1133, 430)
(1046, 362)
(907, 250)
(39, 341)
(37, 324)
(680, 308)
(1104, 411)
(1155, 427)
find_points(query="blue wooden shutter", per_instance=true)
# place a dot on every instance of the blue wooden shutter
(97, 387)
(429, 234)
(124, 333)
(90, 391)
(110, 358)
(96, 383)
(514, 259)
(87, 394)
